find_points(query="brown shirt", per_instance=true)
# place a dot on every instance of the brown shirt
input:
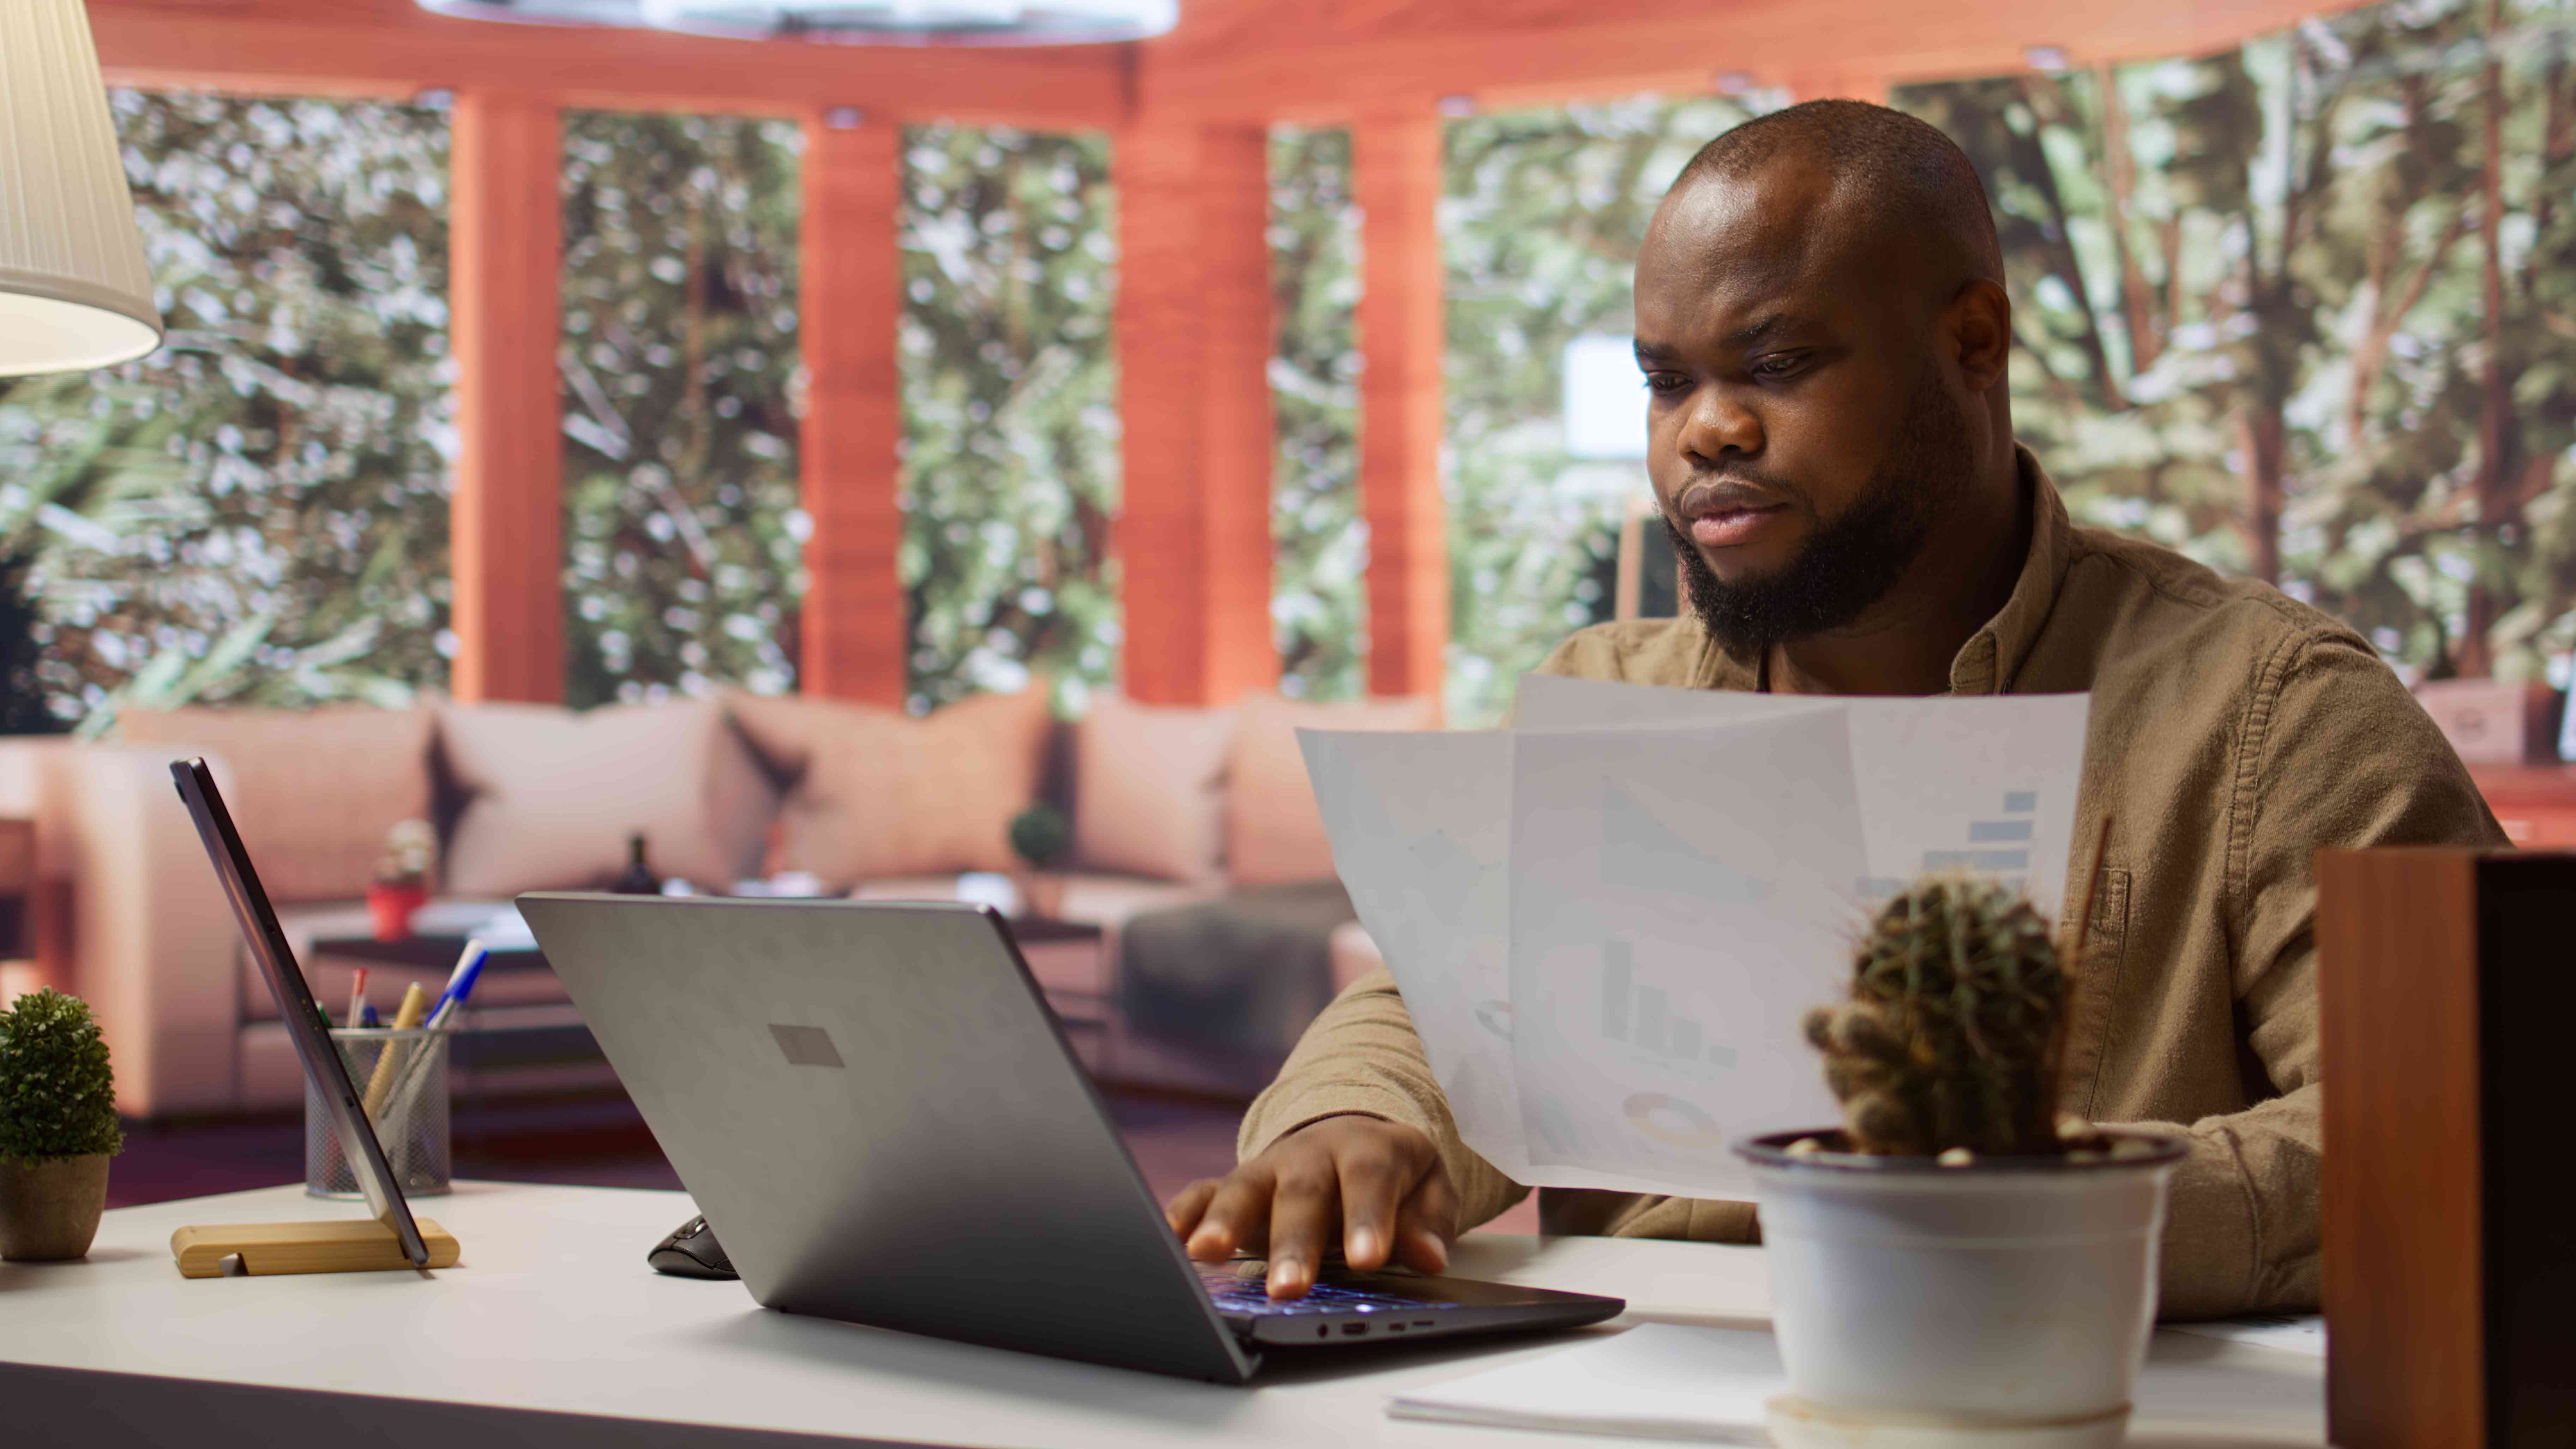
(2234, 732)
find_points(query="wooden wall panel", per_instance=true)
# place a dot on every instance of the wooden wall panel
(1396, 177)
(2398, 1038)
(1194, 342)
(505, 250)
(853, 641)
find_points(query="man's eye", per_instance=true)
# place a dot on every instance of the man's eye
(1666, 384)
(1779, 365)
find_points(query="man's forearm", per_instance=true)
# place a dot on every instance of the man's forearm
(2241, 1228)
(1361, 1056)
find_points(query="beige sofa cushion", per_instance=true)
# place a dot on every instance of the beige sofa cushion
(552, 795)
(1147, 789)
(879, 793)
(313, 791)
(1274, 835)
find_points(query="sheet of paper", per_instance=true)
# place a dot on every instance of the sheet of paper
(1421, 832)
(1678, 901)
(2291, 1333)
(1608, 922)
(1984, 784)
(1654, 1381)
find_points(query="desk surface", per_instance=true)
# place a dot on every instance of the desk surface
(552, 1312)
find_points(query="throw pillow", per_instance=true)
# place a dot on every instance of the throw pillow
(314, 792)
(553, 795)
(1274, 835)
(1147, 783)
(878, 793)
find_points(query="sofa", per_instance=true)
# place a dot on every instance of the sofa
(1170, 807)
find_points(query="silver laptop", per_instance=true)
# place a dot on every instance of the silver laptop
(882, 1122)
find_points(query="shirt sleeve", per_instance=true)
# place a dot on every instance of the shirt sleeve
(2335, 754)
(1361, 1056)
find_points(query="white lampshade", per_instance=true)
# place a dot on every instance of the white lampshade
(74, 292)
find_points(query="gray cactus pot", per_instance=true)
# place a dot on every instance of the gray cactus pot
(49, 1206)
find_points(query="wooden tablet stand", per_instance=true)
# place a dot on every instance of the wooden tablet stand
(359, 1245)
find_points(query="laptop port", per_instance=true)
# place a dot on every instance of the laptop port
(1323, 1330)
(1353, 1330)
(1422, 1323)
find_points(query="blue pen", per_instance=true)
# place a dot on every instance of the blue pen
(367, 1017)
(460, 984)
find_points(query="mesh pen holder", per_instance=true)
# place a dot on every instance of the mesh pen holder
(401, 1076)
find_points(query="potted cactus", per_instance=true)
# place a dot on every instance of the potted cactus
(1039, 837)
(57, 1127)
(1957, 1261)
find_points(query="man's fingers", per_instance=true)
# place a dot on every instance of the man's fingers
(1302, 1213)
(1427, 1223)
(1237, 1213)
(1373, 1181)
(1189, 1204)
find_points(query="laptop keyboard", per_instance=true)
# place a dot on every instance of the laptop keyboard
(1246, 1295)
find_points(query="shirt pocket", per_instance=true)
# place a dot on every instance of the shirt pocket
(2097, 992)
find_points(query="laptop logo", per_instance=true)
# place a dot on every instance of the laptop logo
(805, 1046)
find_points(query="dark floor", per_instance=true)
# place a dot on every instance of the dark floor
(596, 1139)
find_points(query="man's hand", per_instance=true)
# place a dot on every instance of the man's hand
(1377, 1183)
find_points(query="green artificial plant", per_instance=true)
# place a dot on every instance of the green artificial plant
(1950, 1039)
(57, 1094)
(1040, 835)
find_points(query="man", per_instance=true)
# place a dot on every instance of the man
(1823, 327)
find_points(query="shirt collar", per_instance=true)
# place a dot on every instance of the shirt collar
(1987, 663)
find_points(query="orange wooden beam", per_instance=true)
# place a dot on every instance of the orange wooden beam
(1194, 344)
(392, 49)
(853, 641)
(1395, 175)
(1312, 63)
(505, 249)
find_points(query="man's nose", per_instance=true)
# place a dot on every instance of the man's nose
(1717, 425)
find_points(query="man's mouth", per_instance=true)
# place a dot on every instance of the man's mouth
(1725, 525)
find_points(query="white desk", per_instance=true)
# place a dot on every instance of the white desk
(553, 1332)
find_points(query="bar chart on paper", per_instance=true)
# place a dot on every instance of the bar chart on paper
(1643, 1016)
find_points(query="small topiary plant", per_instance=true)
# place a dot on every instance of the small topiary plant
(1952, 1036)
(1040, 836)
(57, 1094)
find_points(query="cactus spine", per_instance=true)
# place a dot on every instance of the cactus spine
(1952, 1033)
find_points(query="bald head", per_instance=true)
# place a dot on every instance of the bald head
(1824, 331)
(1882, 175)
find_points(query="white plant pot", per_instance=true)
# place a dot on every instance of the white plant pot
(2006, 1301)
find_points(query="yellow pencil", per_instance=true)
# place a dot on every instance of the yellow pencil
(415, 1005)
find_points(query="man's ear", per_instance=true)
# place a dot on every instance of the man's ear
(1978, 327)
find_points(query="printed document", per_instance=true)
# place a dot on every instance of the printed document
(1608, 920)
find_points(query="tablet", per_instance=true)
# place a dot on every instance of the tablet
(295, 1003)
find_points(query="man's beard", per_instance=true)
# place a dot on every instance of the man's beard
(1849, 564)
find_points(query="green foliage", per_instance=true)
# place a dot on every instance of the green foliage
(1041, 835)
(682, 531)
(256, 511)
(1010, 409)
(1544, 215)
(57, 1094)
(2258, 319)
(1951, 1036)
(1318, 596)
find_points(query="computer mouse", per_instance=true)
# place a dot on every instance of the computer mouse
(692, 1252)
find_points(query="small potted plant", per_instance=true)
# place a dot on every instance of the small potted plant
(402, 878)
(57, 1127)
(1040, 837)
(1957, 1260)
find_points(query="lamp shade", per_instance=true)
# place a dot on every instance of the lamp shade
(74, 292)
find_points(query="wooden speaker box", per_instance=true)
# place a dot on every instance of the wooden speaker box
(2449, 1053)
